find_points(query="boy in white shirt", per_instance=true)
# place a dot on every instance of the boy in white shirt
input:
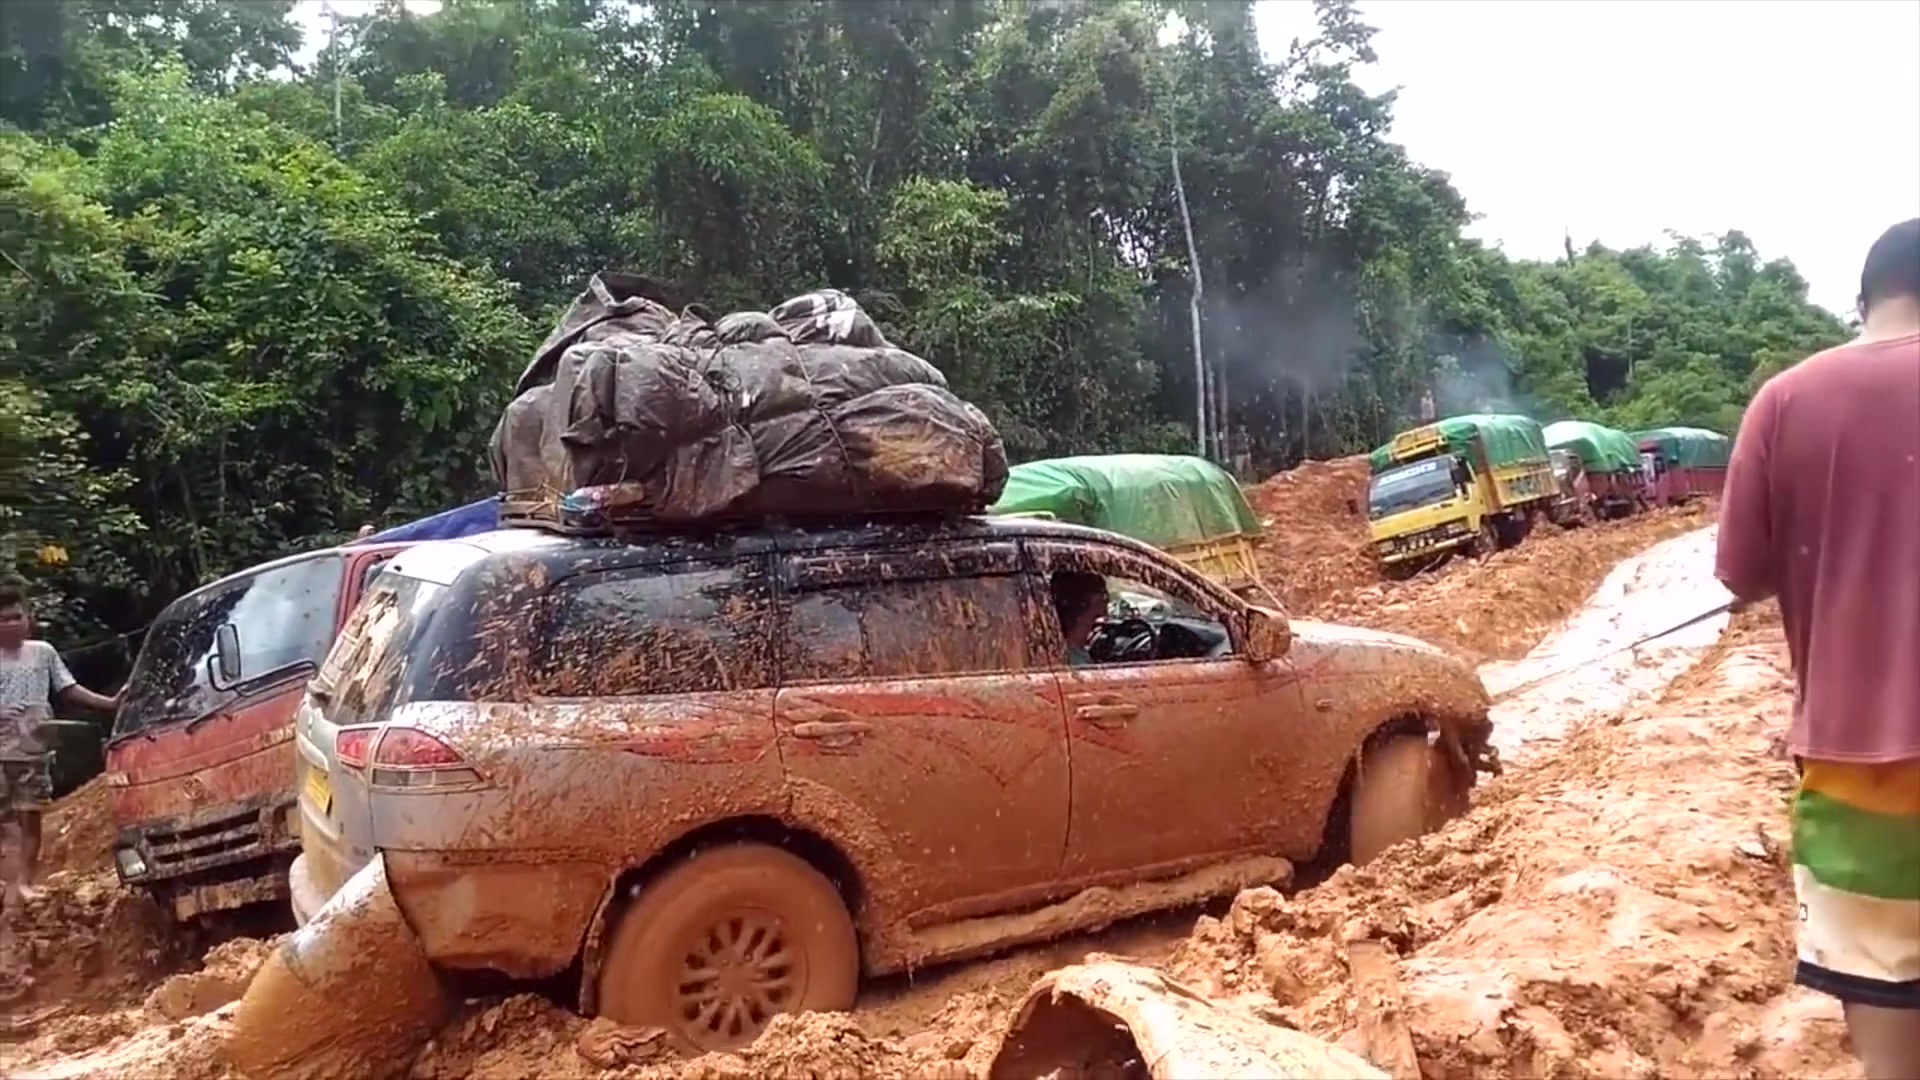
(32, 678)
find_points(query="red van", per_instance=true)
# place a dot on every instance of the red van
(199, 763)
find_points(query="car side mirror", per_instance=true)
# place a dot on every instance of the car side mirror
(1268, 636)
(226, 655)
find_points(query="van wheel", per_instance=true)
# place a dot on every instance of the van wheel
(719, 944)
(1402, 789)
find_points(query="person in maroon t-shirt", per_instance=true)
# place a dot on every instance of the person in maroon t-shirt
(1822, 510)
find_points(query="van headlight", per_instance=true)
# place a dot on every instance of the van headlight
(130, 864)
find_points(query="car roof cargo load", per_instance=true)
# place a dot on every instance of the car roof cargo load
(1688, 447)
(1602, 449)
(1509, 439)
(1167, 500)
(630, 415)
(461, 521)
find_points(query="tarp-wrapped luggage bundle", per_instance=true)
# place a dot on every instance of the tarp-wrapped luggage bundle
(630, 413)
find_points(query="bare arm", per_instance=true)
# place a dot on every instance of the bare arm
(70, 693)
(1744, 562)
(77, 696)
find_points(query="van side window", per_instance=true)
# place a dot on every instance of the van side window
(657, 630)
(904, 629)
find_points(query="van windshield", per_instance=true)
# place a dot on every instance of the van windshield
(283, 619)
(367, 674)
(1420, 483)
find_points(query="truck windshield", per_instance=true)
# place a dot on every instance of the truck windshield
(1420, 483)
(282, 617)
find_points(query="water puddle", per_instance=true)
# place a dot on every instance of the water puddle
(1666, 584)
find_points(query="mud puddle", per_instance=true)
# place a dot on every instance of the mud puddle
(1667, 585)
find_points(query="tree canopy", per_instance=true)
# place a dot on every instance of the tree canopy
(250, 306)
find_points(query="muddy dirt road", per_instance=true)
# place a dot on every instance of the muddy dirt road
(1614, 906)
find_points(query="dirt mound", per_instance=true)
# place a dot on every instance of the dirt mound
(222, 978)
(77, 833)
(525, 1035)
(1622, 909)
(85, 944)
(1316, 544)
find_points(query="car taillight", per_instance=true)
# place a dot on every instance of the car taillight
(396, 757)
(411, 748)
(350, 745)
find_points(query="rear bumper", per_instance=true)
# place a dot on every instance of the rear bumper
(304, 894)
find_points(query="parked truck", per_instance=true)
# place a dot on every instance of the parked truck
(202, 747)
(1682, 463)
(1608, 463)
(1467, 483)
(197, 766)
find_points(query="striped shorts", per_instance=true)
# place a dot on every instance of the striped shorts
(1856, 854)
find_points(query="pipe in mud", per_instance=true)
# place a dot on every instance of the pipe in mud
(349, 994)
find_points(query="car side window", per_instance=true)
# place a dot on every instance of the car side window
(675, 629)
(1152, 613)
(902, 628)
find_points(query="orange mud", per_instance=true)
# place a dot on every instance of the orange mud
(77, 834)
(1620, 907)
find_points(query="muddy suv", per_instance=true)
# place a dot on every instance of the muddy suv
(726, 777)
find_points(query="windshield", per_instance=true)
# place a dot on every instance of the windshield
(1420, 483)
(282, 618)
(366, 673)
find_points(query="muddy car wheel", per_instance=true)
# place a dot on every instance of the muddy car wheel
(719, 944)
(1402, 789)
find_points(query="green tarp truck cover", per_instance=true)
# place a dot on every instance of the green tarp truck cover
(1167, 500)
(1602, 449)
(1509, 439)
(1688, 447)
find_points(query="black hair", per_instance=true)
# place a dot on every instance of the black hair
(13, 593)
(1074, 592)
(1892, 269)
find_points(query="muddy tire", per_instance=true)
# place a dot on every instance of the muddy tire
(1401, 789)
(1487, 542)
(717, 945)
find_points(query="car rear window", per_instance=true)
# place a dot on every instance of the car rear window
(904, 629)
(370, 668)
(657, 630)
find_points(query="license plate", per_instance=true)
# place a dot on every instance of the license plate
(319, 789)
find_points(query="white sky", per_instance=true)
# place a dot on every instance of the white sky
(1796, 121)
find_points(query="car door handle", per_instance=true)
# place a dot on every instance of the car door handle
(1108, 716)
(831, 733)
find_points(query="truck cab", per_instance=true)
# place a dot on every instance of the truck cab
(1471, 483)
(198, 762)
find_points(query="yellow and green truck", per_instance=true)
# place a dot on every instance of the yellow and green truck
(1472, 483)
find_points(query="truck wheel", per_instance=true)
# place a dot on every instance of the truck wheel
(718, 945)
(1402, 789)
(1487, 542)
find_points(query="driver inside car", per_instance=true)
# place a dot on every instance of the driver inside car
(1080, 599)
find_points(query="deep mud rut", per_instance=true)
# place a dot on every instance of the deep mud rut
(1617, 905)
